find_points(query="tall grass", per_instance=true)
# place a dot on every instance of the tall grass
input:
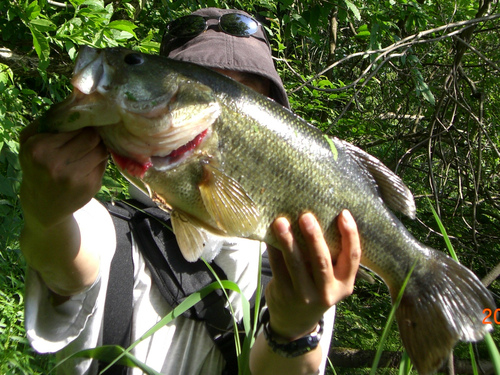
(16, 355)
(490, 344)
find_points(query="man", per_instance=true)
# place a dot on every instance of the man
(69, 239)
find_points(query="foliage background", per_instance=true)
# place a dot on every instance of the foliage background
(410, 85)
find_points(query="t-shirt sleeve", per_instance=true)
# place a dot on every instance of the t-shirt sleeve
(75, 324)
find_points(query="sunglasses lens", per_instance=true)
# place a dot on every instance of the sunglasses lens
(238, 24)
(187, 26)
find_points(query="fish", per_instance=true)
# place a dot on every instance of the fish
(225, 161)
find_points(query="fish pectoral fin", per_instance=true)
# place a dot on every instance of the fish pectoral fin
(393, 190)
(193, 239)
(227, 203)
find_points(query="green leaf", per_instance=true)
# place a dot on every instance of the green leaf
(427, 93)
(6, 187)
(94, 3)
(363, 34)
(353, 9)
(422, 87)
(375, 38)
(11, 14)
(123, 25)
(28, 92)
(332, 147)
(6, 76)
(41, 44)
(43, 25)
(32, 11)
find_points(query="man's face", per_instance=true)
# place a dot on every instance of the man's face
(254, 81)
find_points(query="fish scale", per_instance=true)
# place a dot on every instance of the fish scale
(258, 161)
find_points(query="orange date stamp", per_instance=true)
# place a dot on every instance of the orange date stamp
(489, 313)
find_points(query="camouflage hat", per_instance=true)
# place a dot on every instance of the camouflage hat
(216, 49)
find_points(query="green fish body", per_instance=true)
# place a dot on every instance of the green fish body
(227, 161)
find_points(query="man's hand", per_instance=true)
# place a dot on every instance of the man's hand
(305, 283)
(61, 172)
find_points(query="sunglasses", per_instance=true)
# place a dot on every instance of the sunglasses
(193, 25)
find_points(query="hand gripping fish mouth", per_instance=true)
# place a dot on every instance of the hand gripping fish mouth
(227, 161)
(141, 127)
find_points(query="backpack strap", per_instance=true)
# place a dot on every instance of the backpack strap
(117, 322)
(175, 278)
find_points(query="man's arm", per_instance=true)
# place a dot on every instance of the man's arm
(61, 173)
(305, 285)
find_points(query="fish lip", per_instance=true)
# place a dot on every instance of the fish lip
(92, 72)
(178, 156)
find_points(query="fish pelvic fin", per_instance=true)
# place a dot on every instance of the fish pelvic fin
(227, 202)
(442, 304)
(193, 239)
(392, 189)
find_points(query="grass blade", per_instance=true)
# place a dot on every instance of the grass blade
(189, 302)
(473, 360)
(494, 354)
(444, 233)
(492, 348)
(114, 354)
(405, 366)
(388, 324)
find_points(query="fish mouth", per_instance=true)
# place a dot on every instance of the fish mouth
(160, 163)
(176, 157)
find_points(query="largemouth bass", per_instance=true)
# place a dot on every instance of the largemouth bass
(227, 161)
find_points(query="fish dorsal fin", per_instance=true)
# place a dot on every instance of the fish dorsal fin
(392, 189)
(227, 203)
(194, 239)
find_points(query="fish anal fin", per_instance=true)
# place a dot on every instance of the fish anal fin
(194, 240)
(227, 202)
(442, 304)
(393, 190)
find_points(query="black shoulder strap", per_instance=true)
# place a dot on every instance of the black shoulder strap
(117, 322)
(174, 276)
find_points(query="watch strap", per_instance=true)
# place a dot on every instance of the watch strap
(293, 348)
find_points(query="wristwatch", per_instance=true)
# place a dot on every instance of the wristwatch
(293, 348)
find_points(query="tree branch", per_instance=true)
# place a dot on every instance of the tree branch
(489, 62)
(28, 66)
(384, 53)
(491, 276)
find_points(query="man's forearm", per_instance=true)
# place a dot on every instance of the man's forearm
(59, 256)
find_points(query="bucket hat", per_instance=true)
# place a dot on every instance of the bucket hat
(214, 48)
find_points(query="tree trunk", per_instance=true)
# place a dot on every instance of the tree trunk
(357, 358)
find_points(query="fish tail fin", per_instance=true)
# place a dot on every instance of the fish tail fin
(443, 303)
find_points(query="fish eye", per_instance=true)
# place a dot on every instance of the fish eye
(134, 59)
